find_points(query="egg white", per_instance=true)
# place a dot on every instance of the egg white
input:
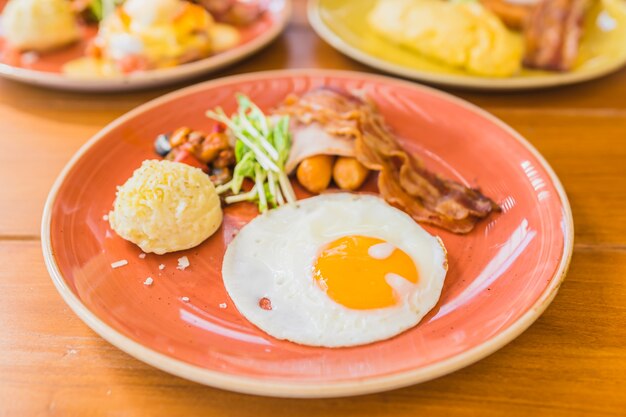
(273, 257)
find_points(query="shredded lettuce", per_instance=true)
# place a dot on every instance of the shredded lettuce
(102, 8)
(261, 151)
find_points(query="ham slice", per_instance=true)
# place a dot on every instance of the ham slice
(403, 180)
(310, 140)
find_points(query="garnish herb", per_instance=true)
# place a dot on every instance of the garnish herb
(102, 8)
(261, 150)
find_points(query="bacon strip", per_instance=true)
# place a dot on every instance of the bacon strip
(553, 33)
(403, 180)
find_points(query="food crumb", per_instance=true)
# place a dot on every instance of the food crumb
(265, 303)
(223, 305)
(183, 263)
(185, 299)
(119, 263)
(142, 255)
(161, 267)
(148, 281)
(105, 218)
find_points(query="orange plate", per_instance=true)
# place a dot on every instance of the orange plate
(47, 69)
(501, 277)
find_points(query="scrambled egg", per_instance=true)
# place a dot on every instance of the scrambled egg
(166, 207)
(39, 25)
(460, 34)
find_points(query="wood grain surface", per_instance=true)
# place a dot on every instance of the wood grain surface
(572, 361)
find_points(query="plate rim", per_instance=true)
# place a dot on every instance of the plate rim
(156, 77)
(291, 389)
(450, 80)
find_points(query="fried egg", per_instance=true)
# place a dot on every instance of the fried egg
(334, 270)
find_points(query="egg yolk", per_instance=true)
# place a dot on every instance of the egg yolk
(353, 269)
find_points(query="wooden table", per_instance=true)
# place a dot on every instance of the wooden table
(572, 361)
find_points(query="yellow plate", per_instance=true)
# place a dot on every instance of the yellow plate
(343, 24)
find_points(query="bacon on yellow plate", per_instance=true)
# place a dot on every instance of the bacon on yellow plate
(553, 33)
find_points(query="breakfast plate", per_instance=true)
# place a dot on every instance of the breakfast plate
(343, 24)
(501, 276)
(46, 69)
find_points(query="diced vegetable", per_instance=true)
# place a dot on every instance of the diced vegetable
(186, 157)
(162, 145)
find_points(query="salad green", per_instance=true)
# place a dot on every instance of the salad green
(102, 8)
(261, 150)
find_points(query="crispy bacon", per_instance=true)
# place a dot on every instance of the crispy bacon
(236, 12)
(552, 34)
(403, 180)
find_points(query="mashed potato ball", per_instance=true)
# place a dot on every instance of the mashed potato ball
(39, 25)
(165, 207)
